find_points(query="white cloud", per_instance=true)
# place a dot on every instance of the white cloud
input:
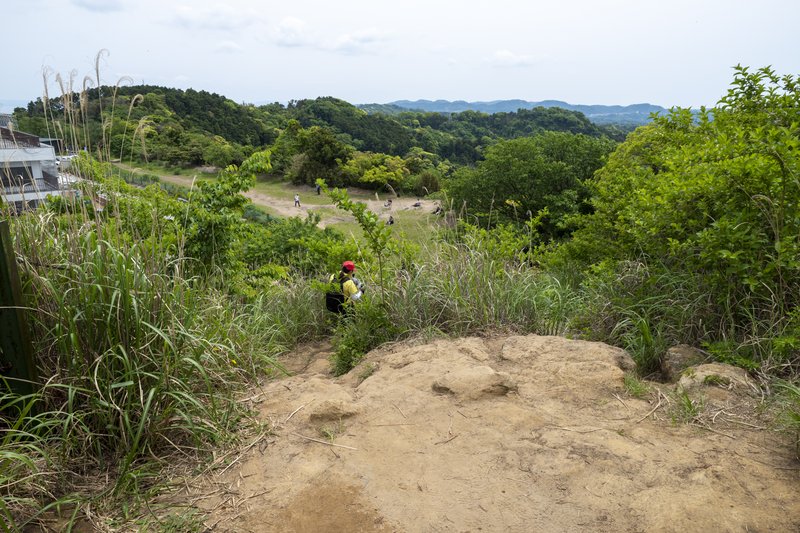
(506, 58)
(360, 42)
(293, 33)
(213, 17)
(228, 47)
(104, 6)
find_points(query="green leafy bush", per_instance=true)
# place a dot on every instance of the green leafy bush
(362, 329)
(708, 203)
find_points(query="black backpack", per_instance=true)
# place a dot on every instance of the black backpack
(334, 301)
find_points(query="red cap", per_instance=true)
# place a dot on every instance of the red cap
(349, 266)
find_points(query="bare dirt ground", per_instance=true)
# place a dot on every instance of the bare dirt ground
(511, 434)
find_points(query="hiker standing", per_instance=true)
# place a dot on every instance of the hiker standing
(297, 200)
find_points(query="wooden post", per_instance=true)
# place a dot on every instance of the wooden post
(16, 352)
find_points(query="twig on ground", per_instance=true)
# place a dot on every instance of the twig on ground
(246, 449)
(623, 403)
(575, 430)
(293, 413)
(324, 442)
(446, 441)
(697, 424)
(653, 410)
(760, 428)
(254, 397)
(401, 412)
(766, 463)
(204, 496)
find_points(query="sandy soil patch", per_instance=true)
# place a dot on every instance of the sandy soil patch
(516, 434)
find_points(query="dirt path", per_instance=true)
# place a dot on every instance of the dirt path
(286, 208)
(513, 434)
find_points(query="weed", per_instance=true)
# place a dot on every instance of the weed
(716, 380)
(789, 417)
(190, 521)
(365, 327)
(685, 408)
(332, 431)
(645, 344)
(634, 386)
(367, 371)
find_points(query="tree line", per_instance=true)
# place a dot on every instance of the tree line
(316, 138)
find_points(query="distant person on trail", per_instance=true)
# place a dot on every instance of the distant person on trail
(350, 290)
(319, 189)
(297, 200)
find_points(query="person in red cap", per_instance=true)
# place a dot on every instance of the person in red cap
(350, 289)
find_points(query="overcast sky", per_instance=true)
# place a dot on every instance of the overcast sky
(669, 52)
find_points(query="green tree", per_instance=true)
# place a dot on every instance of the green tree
(713, 198)
(322, 156)
(522, 177)
(375, 171)
(215, 211)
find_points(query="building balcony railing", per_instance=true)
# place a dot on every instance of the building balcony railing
(50, 183)
(51, 180)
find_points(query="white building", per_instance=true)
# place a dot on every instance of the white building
(28, 171)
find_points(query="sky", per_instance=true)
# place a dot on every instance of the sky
(668, 52)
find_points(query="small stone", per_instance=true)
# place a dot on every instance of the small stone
(716, 375)
(679, 358)
(332, 410)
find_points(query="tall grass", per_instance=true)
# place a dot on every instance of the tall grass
(465, 290)
(645, 306)
(141, 361)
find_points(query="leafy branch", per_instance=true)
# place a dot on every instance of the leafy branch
(377, 234)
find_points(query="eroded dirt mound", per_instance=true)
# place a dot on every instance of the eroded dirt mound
(513, 434)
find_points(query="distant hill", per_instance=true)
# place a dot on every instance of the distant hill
(599, 114)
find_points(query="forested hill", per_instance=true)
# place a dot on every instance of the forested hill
(636, 114)
(189, 127)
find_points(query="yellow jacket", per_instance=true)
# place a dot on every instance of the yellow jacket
(349, 288)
